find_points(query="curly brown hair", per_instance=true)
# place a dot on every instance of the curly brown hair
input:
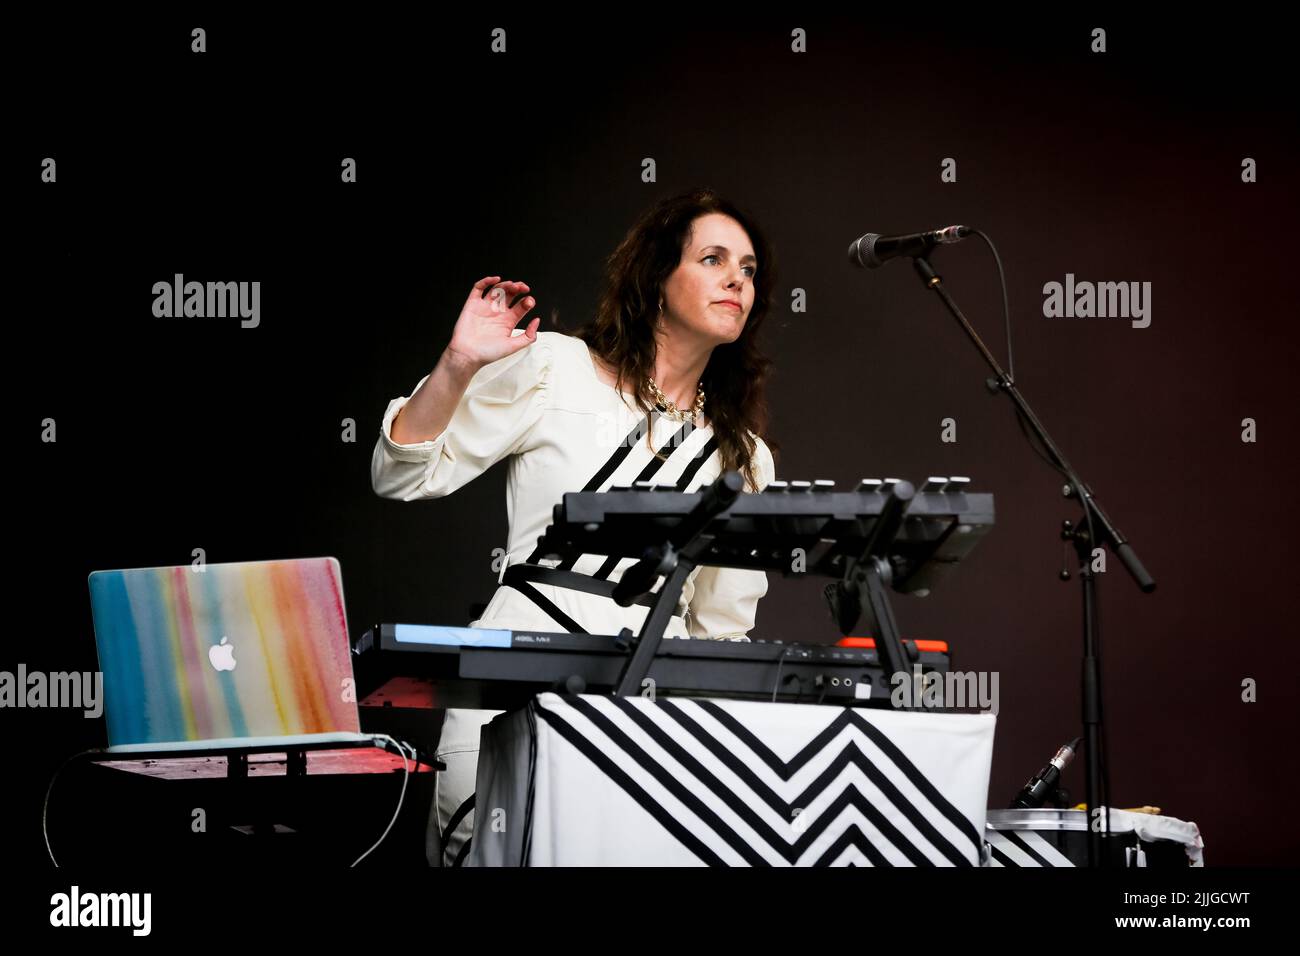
(622, 332)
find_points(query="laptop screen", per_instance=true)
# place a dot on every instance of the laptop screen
(255, 649)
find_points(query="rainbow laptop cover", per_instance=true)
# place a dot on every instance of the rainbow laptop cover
(233, 655)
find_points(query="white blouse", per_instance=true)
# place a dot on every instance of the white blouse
(563, 429)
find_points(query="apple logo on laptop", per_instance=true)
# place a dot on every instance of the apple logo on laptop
(222, 655)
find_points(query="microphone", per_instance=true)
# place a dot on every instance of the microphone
(1040, 786)
(873, 250)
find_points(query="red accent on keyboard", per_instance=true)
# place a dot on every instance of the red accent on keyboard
(938, 647)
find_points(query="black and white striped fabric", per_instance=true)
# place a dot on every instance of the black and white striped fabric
(592, 780)
(1024, 848)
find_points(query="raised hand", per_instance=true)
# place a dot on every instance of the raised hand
(492, 310)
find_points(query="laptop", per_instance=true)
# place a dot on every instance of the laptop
(250, 655)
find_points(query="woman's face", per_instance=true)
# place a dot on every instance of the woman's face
(718, 266)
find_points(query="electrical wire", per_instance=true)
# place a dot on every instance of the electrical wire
(1035, 443)
(780, 662)
(401, 797)
(1006, 300)
(45, 806)
(1040, 449)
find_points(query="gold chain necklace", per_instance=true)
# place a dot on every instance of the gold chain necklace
(670, 409)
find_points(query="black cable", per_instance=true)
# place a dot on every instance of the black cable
(780, 662)
(1035, 443)
(1006, 301)
(1042, 452)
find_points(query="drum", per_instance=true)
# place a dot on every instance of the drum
(1050, 837)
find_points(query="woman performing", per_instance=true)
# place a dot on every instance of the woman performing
(665, 385)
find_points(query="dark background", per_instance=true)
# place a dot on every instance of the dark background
(175, 434)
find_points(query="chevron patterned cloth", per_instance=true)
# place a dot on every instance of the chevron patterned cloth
(591, 780)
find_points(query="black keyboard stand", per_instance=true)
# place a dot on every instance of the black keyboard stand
(870, 576)
(673, 558)
(646, 645)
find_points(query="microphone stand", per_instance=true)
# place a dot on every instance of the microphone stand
(1094, 530)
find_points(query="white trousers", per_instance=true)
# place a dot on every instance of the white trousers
(451, 816)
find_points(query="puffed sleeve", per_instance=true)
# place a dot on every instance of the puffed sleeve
(724, 601)
(501, 404)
